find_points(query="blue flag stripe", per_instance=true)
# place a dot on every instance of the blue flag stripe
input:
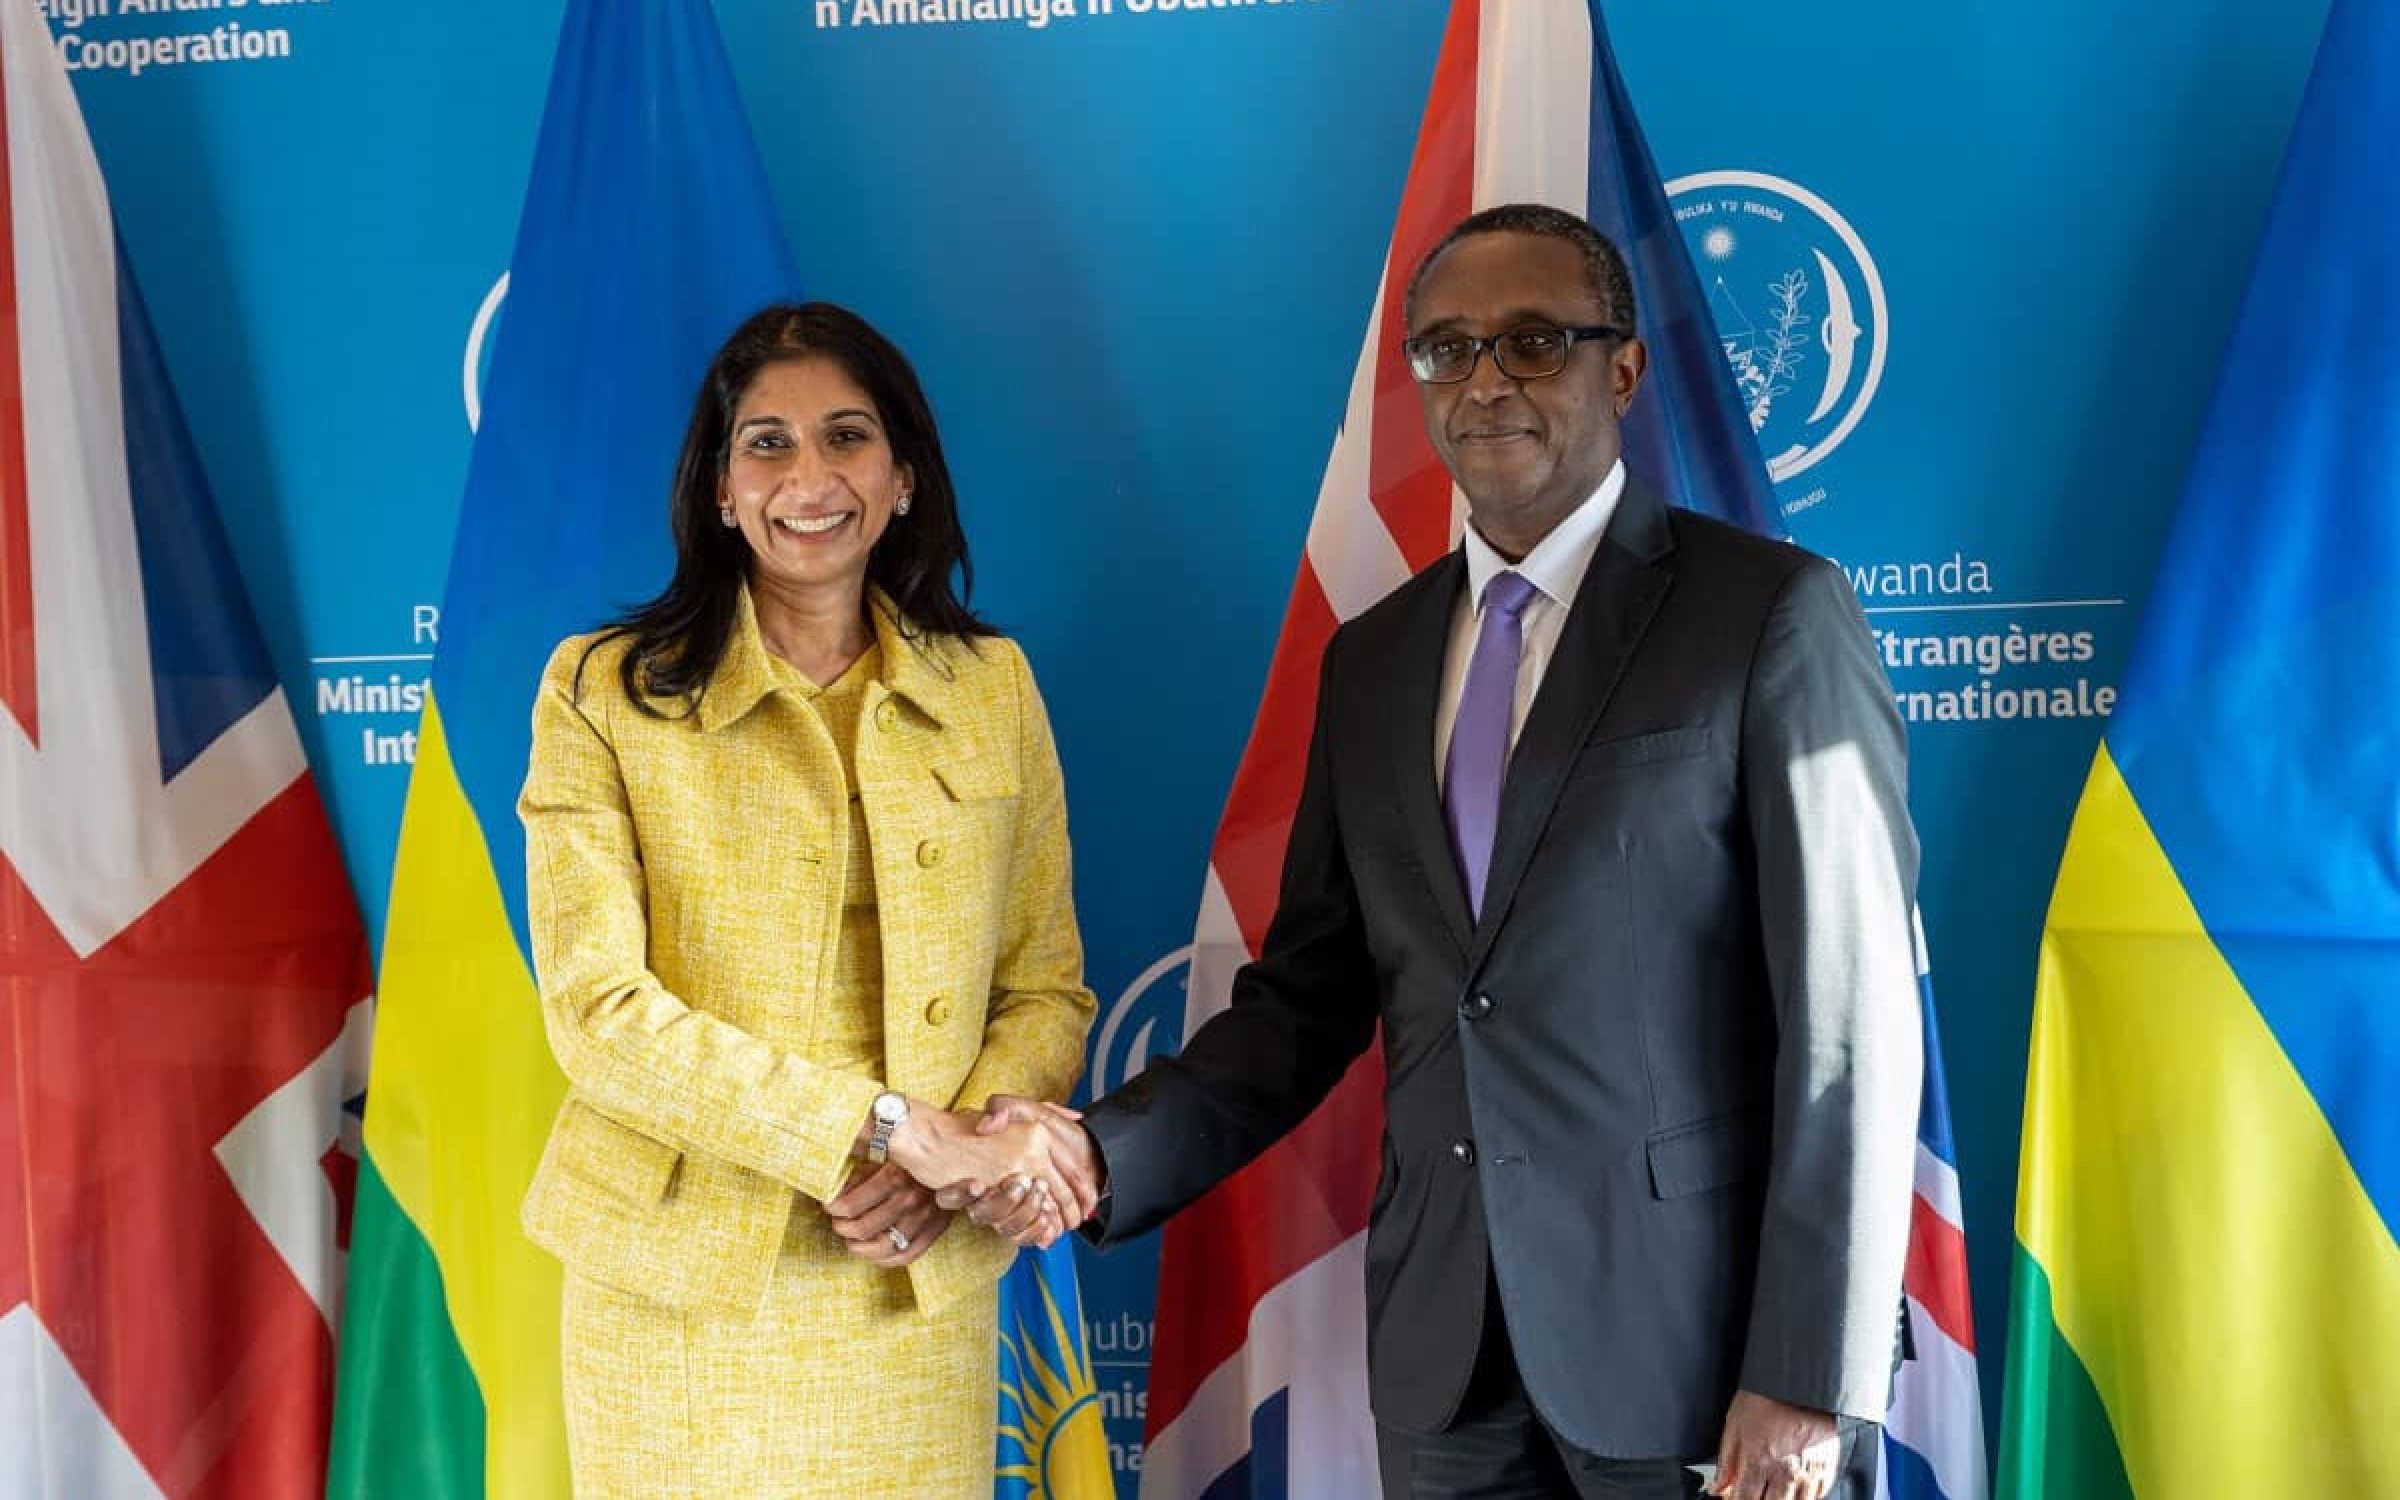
(208, 662)
(1691, 434)
(647, 235)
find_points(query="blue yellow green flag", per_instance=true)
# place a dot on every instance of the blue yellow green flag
(2207, 1297)
(647, 234)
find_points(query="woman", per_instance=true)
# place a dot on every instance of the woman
(798, 886)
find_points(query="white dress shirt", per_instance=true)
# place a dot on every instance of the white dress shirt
(1555, 568)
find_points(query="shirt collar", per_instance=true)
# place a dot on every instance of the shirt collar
(918, 667)
(1558, 562)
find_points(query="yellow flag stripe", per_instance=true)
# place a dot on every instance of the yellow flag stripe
(2214, 1261)
(461, 1097)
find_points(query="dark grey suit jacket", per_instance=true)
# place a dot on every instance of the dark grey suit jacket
(1666, 1088)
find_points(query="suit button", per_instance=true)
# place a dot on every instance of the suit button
(929, 854)
(1464, 1150)
(937, 1011)
(1475, 1007)
(887, 715)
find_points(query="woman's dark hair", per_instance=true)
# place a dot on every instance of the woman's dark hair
(680, 636)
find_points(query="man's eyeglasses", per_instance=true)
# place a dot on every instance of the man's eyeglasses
(1533, 352)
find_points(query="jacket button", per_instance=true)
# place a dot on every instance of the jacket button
(1475, 1007)
(887, 715)
(937, 1011)
(1464, 1150)
(929, 854)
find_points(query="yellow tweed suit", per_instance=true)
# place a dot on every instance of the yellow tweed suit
(688, 879)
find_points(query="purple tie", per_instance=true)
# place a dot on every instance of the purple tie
(1479, 736)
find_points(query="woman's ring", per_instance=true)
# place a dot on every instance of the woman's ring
(899, 1240)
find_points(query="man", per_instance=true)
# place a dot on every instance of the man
(1648, 1001)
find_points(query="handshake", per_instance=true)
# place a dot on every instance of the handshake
(1024, 1170)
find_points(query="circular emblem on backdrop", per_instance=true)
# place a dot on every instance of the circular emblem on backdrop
(478, 359)
(1144, 1022)
(1798, 305)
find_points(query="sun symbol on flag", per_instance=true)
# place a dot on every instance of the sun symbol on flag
(1717, 244)
(1048, 1407)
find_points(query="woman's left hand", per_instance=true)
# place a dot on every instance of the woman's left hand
(887, 1217)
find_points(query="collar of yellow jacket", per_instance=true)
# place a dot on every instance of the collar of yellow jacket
(916, 666)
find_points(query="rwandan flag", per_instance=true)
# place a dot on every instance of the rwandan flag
(647, 235)
(2207, 1293)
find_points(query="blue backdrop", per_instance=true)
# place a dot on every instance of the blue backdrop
(1132, 250)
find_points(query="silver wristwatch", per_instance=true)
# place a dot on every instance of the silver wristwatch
(888, 1113)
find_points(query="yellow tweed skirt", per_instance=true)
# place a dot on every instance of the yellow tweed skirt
(840, 1389)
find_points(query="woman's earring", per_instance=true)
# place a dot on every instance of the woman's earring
(900, 506)
(725, 516)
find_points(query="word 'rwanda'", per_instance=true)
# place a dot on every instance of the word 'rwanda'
(1035, 14)
(1955, 577)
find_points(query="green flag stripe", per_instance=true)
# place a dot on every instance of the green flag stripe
(2055, 1440)
(407, 1416)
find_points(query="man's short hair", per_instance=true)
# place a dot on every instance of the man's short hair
(1604, 272)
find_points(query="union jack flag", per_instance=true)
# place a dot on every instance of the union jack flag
(183, 976)
(1258, 1379)
(1933, 1435)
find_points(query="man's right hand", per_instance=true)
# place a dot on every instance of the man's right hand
(1011, 1169)
(1073, 1156)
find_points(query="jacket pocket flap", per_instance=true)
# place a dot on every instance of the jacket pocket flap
(983, 776)
(1706, 1154)
(1642, 749)
(615, 1156)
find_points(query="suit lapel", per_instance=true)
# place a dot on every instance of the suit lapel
(1627, 580)
(1423, 644)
